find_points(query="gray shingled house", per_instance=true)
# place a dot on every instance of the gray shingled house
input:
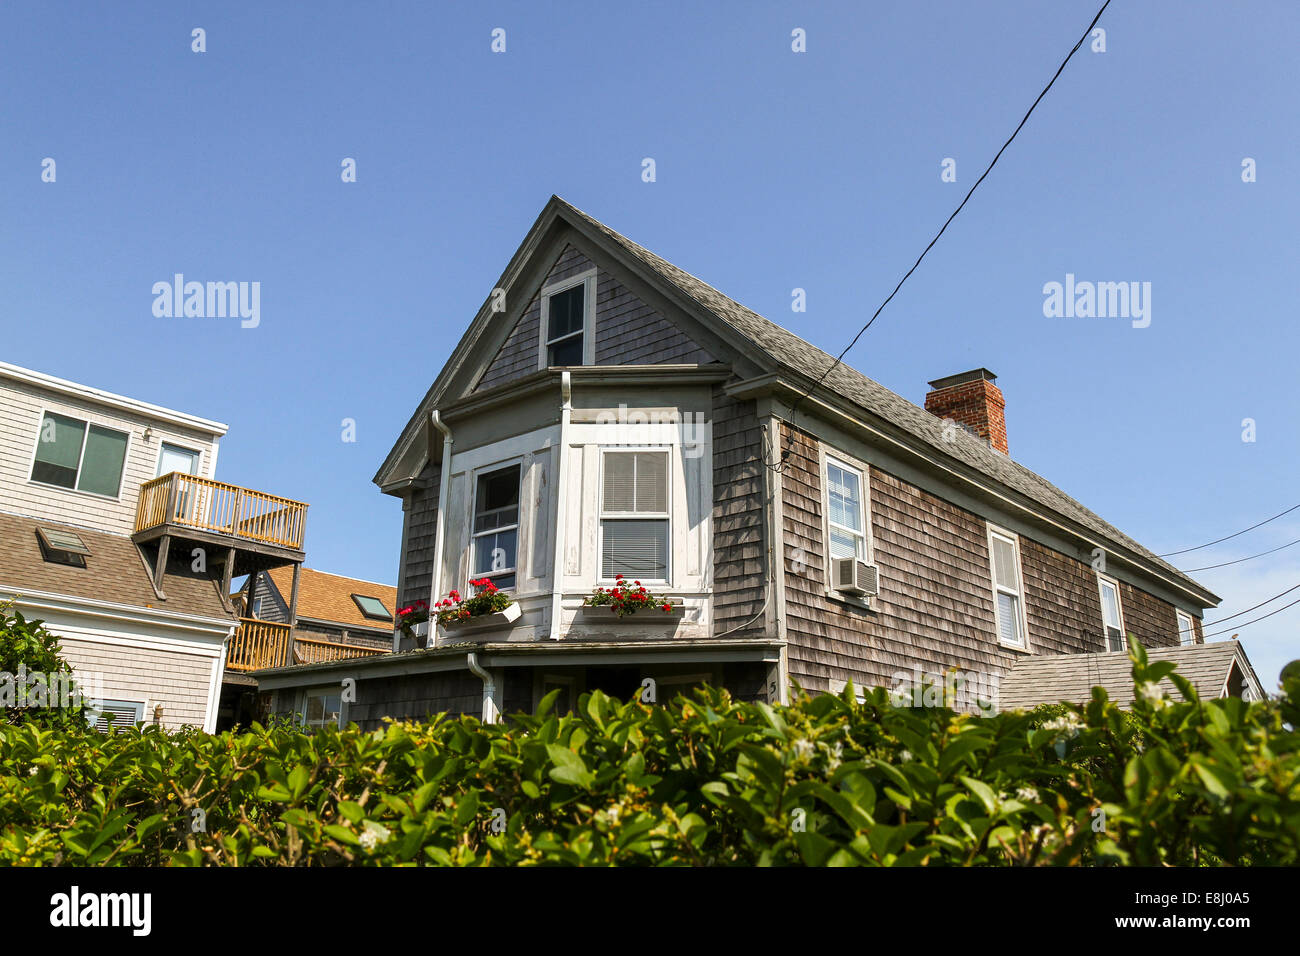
(608, 413)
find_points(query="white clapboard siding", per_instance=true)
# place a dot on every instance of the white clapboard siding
(22, 406)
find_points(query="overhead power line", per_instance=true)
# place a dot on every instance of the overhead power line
(1248, 623)
(1249, 609)
(1210, 567)
(1231, 536)
(840, 358)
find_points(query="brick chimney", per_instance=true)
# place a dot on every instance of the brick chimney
(971, 399)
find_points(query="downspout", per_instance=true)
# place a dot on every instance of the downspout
(444, 482)
(490, 712)
(557, 562)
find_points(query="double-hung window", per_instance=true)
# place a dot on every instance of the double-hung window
(1186, 628)
(635, 539)
(1112, 615)
(845, 511)
(566, 321)
(1008, 592)
(71, 453)
(496, 526)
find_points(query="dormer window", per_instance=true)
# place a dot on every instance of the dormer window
(71, 453)
(567, 311)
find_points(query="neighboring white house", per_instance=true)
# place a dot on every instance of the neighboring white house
(115, 533)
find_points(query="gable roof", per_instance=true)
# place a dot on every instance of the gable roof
(114, 572)
(783, 352)
(328, 597)
(1052, 678)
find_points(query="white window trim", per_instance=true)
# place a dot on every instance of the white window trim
(1190, 629)
(517, 570)
(1014, 540)
(587, 278)
(863, 471)
(126, 454)
(1102, 581)
(667, 515)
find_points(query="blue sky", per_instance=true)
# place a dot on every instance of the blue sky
(775, 170)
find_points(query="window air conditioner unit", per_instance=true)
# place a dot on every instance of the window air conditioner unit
(852, 576)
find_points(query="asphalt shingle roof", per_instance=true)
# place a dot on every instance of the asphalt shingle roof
(1051, 678)
(803, 358)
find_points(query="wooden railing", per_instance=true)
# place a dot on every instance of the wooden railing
(257, 645)
(313, 650)
(210, 505)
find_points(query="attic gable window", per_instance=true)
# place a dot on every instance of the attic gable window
(74, 454)
(62, 547)
(372, 607)
(567, 312)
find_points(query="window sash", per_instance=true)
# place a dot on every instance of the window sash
(487, 539)
(636, 532)
(1186, 629)
(1004, 568)
(106, 447)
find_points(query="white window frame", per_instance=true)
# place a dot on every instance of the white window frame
(197, 452)
(517, 570)
(587, 279)
(1013, 539)
(1189, 629)
(1102, 581)
(81, 455)
(321, 691)
(666, 515)
(863, 471)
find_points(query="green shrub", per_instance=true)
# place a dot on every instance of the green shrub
(26, 649)
(699, 781)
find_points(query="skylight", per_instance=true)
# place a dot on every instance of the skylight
(372, 607)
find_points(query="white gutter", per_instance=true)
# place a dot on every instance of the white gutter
(557, 563)
(490, 712)
(444, 482)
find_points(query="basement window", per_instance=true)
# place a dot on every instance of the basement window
(1112, 614)
(372, 607)
(114, 716)
(62, 547)
(74, 454)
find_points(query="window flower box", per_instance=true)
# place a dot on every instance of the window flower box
(604, 613)
(624, 601)
(492, 621)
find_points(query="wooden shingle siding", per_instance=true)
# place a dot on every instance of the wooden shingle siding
(272, 608)
(415, 697)
(1150, 620)
(421, 531)
(935, 610)
(627, 331)
(1062, 603)
(739, 565)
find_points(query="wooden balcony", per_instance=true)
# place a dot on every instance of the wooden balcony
(177, 503)
(258, 645)
(261, 644)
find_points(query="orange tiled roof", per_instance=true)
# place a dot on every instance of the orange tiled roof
(328, 597)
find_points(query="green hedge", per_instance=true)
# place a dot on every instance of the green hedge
(696, 781)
